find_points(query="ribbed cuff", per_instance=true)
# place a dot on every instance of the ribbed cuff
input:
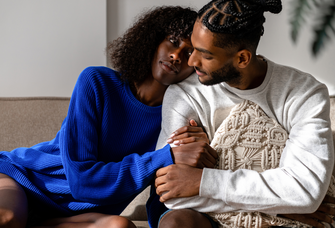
(162, 157)
(214, 183)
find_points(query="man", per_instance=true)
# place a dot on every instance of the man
(225, 39)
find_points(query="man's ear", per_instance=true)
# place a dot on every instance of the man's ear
(243, 58)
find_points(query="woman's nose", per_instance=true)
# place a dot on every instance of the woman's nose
(175, 56)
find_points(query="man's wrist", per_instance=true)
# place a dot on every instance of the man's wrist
(172, 155)
(213, 183)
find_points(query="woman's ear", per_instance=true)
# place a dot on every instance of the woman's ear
(243, 58)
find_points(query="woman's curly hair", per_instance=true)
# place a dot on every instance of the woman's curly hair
(132, 54)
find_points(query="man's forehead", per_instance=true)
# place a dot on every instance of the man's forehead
(203, 39)
(201, 29)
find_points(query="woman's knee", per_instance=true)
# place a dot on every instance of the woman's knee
(13, 203)
(184, 218)
(114, 221)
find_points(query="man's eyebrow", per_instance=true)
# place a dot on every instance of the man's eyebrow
(200, 49)
(203, 51)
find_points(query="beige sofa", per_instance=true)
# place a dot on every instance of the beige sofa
(28, 121)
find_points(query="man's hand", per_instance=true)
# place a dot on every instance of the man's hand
(321, 215)
(176, 181)
(196, 154)
(188, 134)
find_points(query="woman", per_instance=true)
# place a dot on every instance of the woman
(103, 155)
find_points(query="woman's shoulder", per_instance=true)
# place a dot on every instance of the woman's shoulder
(99, 71)
(98, 80)
(99, 75)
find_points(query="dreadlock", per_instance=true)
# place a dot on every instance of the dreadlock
(237, 22)
(132, 54)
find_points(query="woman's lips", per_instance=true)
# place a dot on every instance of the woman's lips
(167, 66)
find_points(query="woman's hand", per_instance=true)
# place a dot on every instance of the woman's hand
(193, 147)
(195, 154)
(188, 134)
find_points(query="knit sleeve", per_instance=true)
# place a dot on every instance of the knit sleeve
(174, 116)
(90, 178)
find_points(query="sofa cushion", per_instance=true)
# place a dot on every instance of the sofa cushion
(30, 120)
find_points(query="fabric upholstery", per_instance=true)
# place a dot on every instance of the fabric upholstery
(31, 120)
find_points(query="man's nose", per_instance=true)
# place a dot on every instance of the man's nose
(193, 60)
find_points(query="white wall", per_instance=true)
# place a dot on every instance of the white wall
(45, 44)
(275, 44)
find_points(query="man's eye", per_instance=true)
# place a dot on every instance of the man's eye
(208, 58)
(190, 52)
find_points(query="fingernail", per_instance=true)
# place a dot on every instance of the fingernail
(169, 141)
(173, 134)
(176, 142)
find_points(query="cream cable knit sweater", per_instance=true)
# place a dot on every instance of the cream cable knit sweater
(299, 103)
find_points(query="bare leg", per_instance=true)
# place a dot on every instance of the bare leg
(89, 220)
(184, 218)
(13, 203)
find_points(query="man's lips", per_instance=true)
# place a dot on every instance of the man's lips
(169, 67)
(199, 72)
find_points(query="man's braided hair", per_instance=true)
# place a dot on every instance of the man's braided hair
(237, 22)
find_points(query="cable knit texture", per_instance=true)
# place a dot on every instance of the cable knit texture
(249, 139)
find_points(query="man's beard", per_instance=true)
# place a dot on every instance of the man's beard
(227, 73)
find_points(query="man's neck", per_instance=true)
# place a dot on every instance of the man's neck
(253, 75)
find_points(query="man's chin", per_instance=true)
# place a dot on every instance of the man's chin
(205, 81)
(202, 79)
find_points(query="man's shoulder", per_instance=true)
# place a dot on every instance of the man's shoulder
(294, 80)
(296, 74)
(294, 86)
(190, 81)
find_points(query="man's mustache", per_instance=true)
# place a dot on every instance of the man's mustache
(201, 71)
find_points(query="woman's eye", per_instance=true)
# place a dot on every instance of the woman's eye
(173, 41)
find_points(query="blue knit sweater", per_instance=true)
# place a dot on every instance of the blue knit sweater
(103, 155)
